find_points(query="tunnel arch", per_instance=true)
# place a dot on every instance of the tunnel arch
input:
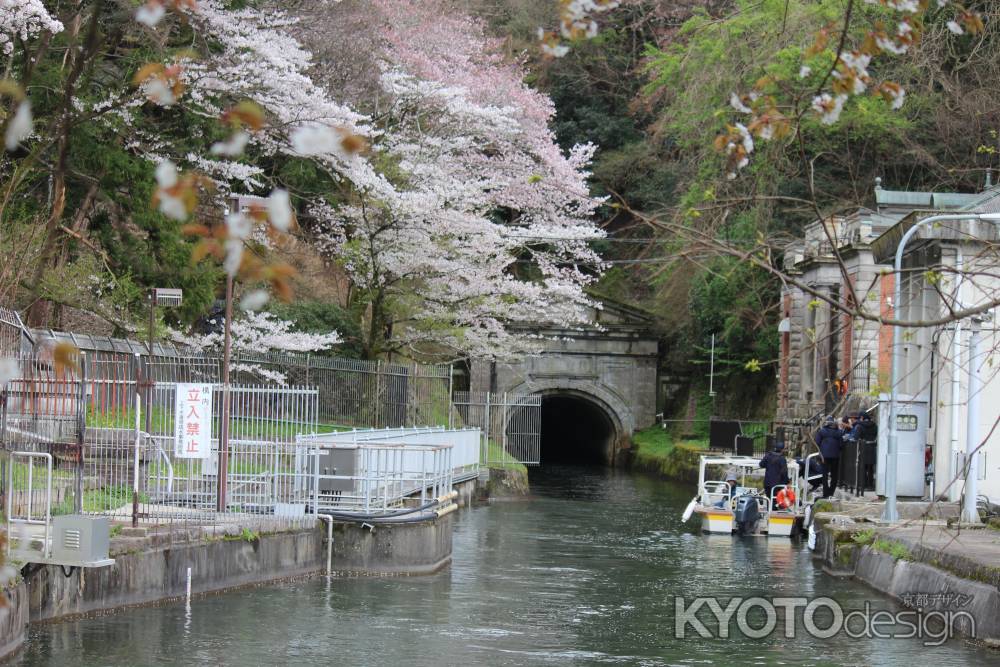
(607, 415)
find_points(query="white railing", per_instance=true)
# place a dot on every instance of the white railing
(379, 470)
(24, 518)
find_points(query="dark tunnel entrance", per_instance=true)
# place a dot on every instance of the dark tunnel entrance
(575, 430)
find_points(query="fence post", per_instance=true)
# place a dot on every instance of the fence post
(5, 460)
(81, 420)
(378, 392)
(486, 431)
(414, 394)
(451, 396)
(503, 422)
(143, 379)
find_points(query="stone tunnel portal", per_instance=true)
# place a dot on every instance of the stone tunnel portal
(576, 430)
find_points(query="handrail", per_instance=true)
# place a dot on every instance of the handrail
(848, 379)
(46, 547)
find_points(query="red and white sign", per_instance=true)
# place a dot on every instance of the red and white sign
(193, 421)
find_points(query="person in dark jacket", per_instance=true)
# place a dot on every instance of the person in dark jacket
(830, 440)
(775, 468)
(865, 428)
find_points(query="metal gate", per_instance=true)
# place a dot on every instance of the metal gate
(511, 425)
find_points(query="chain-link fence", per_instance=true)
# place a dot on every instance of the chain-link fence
(105, 425)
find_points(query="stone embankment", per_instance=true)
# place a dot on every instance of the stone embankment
(928, 561)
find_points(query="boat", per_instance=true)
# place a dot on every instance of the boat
(748, 510)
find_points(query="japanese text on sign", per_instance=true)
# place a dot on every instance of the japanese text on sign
(193, 421)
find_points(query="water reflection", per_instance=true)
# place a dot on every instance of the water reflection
(584, 572)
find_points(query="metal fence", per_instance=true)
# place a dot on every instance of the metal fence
(109, 443)
(858, 379)
(510, 424)
(113, 451)
(14, 337)
(857, 465)
(104, 424)
(354, 393)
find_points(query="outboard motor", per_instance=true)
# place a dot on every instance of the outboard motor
(746, 515)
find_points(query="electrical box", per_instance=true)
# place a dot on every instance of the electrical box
(80, 540)
(911, 430)
(337, 461)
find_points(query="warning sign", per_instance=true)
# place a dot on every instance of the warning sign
(193, 421)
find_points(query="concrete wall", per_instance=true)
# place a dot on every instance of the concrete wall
(13, 619)
(901, 579)
(404, 548)
(161, 574)
(156, 574)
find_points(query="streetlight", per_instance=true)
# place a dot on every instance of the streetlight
(891, 514)
(158, 296)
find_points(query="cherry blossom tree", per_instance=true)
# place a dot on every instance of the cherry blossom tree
(448, 202)
(488, 224)
(258, 332)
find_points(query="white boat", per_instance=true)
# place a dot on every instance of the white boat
(748, 509)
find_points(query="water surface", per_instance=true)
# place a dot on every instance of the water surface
(584, 572)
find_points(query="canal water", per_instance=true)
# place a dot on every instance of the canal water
(584, 572)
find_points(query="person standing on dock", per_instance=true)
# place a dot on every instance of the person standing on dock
(830, 441)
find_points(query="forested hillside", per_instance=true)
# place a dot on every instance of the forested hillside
(655, 88)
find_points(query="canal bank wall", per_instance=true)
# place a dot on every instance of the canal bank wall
(152, 564)
(155, 567)
(13, 618)
(929, 566)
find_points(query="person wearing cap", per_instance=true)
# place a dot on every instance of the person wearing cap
(732, 479)
(830, 441)
(775, 468)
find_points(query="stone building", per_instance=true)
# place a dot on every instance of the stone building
(832, 361)
(826, 356)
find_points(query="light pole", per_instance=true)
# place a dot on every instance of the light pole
(969, 513)
(711, 370)
(891, 514)
(158, 296)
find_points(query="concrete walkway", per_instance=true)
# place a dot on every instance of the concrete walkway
(970, 553)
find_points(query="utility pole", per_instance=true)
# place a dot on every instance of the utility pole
(224, 426)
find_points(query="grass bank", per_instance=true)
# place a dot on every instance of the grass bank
(656, 451)
(508, 476)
